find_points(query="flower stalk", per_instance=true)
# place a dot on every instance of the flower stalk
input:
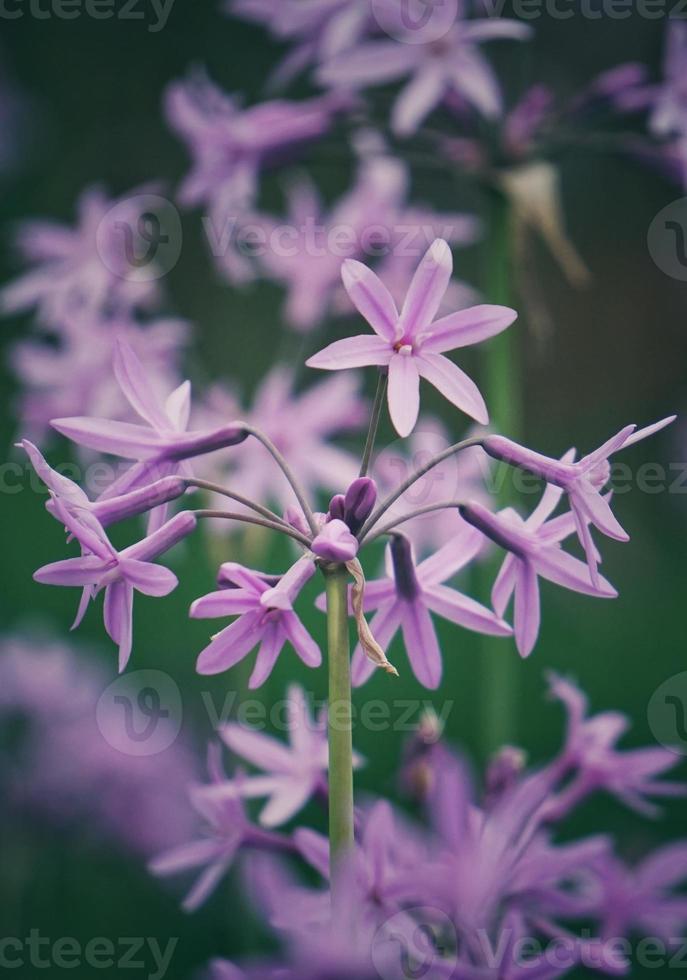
(341, 825)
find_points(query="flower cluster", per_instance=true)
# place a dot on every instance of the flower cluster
(483, 887)
(404, 345)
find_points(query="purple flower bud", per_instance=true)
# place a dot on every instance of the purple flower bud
(337, 507)
(407, 585)
(335, 542)
(360, 498)
(170, 534)
(138, 501)
(192, 444)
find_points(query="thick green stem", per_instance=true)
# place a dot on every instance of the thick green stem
(340, 726)
(503, 390)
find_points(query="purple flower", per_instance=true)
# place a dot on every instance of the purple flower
(263, 617)
(590, 749)
(406, 598)
(582, 481)
(72, 374)
(291, 774)
(101, 566)
(409, 343)
(105, 511)
(82, 270)
(319, 29)
(669, 115)
(438, 68)
(162, 443)
(227, 830)
(301, 425)
(230, 145)
(68, 772)
(335, 542)
(535, 552)
(645, 899)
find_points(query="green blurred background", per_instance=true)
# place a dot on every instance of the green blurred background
(617, 354)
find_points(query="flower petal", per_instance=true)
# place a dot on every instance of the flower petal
(571, 573)
(302, 642)
(403, 395)
(116, 438)
(421, 644)
(86, 570)
(368, 64)
(261, 750)
(426, 290)
(136, 387)
(454, 384)
(417, 99)
(370, 297)
(230, 646)
(363, 350)
(224, 602)
(286, 801)
(467, 327)
(474, 79)
(504, 584)
(271, 646)
(461, 609)
(527, 608)
(150, 579)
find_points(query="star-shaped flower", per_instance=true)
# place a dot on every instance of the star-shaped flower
(410, 343)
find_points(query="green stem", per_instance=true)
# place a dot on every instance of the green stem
(340, 726)
(374, 421)
(504, 398)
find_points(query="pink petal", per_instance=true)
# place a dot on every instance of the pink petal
(302, 642)
(116, 438)
(153, 580)
(184, 857)
(467, 327)
(599, 513)
(421, 644)
(286, 801)
(368, 64)
(352, 352)
(474, 79)
(494, 30)
(404, 393)
(527, 608)
(270, 648)
(118, 617)
(136, 385)
(224, 602)
(464, 611)
(72, 571)
(314, 848)
(417, 99)
(571, 573)
(648, 430)
(261, 750)
(206, 884)
(504, 584)
(426, 290)
(230, 646)
(178, 406)
(453, 384)
(371, 298)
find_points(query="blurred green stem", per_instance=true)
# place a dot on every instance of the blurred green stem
(340, 727)
(504, 397)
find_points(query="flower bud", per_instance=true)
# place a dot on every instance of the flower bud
(360, 498)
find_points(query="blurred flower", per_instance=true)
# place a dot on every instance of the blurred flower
(590, 750)
(301, 425)
(319, 29)
(410, 344)
(292, 773)
(230, 146)
(669, 113)
(227, 830)
(452, 63)
(82, 270)
(258, 622)
(62, 767)
(72, 375)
